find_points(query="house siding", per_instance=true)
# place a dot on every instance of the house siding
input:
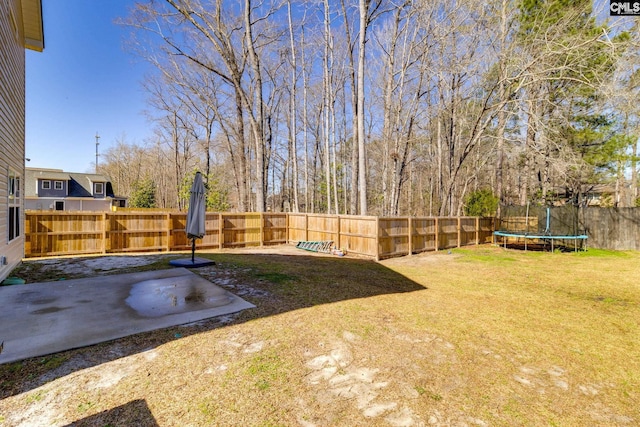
(78, 193)
(12, 125)
(52, 192)
(74, 204)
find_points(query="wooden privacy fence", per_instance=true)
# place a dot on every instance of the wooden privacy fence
(74, 233)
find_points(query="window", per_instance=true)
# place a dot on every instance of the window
(57, 185)
(14, 205)
(46, 185)
(98, 188)
(59, 205)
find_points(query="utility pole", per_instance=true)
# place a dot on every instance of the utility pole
(97, 143)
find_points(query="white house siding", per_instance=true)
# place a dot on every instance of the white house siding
(12, 123)
(70, 204)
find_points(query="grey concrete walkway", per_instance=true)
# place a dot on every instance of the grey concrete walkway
(43, 318)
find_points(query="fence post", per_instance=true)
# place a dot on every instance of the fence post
(27, 235)
(168, 230)
(338, 243)
(286, 228)
(220, 230)
(437, 227)
(493, 229)
(459, 231)
(377, 238)
(477, 230)
(261, 229)
(104, 232)
(107, 232)
(306, 227)
(410, 233)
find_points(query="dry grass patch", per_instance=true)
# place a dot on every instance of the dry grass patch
(479, 337)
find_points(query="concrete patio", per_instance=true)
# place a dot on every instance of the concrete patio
(49, 317)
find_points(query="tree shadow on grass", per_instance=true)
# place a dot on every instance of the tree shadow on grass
(273, 283)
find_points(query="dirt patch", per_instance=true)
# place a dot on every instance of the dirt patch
(83, 267)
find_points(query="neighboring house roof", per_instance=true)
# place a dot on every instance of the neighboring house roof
(52, 174)
(80, 184)
(32, 23)
(599, 189)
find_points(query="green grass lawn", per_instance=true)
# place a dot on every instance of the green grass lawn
(481, 336)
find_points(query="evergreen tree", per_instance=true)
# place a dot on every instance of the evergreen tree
(216, 196)
(143, 195)
(481, 203)
(574, 57)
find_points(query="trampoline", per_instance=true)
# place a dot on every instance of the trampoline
(519, 233)
(546, 238)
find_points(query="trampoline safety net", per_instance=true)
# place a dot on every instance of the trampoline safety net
(555, 222)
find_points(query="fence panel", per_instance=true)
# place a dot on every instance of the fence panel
(297, 227)
(178, 232)
(424, 233)
(323, 228)
(56, 233)
(393, 237)
(274, 229)
(612, 228)
(486, 227)
(131, 232)
(447, 233)
(358, 234)
(241, 230)
(468, 231)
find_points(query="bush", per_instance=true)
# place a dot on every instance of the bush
(481, 203)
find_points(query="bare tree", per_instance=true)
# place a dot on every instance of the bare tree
(293, 133)
(364, 7)
(450, 98)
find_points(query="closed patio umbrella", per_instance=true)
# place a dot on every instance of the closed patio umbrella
(196, 213)
(195, 222)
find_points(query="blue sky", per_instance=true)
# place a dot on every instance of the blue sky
(84, 82)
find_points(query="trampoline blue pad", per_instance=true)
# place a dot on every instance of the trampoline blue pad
(540, 236)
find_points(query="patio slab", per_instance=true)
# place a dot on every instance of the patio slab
(43, 318)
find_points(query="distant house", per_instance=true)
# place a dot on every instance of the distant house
(609, 195)
(20, 28)
(601, 195)
(56, 190)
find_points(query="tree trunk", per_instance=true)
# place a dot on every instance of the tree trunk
(326, 100)
(351, 71)
(257, 123)
(530, 141)
(294, 115)
(502, 114)
(362, 165)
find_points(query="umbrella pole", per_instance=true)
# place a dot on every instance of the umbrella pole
(193, 250)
